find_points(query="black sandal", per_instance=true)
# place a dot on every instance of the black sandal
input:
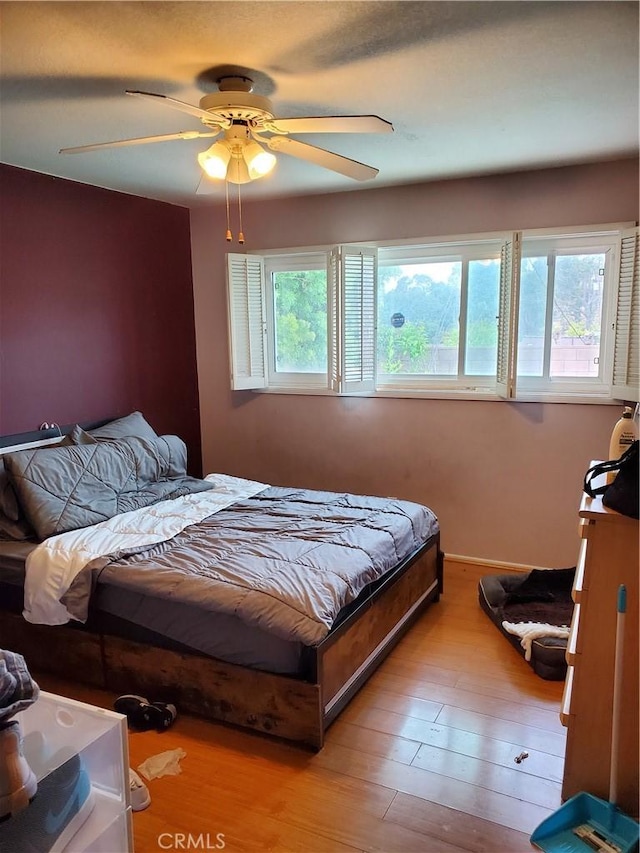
(143, 715)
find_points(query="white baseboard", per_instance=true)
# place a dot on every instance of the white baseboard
(480, 562)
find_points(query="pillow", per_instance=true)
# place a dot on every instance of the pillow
(133, 425)
(71, 488)
(176, 449)
(176, 456)
(79, 436)
(13, 522)
(16, 531)
(8, 501)
(77, 486)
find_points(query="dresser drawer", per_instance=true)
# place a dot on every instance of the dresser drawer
(572, 642)
(565, 707)
(579, 590)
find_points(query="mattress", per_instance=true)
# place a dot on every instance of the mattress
(163, 623)
(13, 555)
(215, 634)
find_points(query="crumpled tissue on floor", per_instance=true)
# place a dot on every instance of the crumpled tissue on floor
(163, 764)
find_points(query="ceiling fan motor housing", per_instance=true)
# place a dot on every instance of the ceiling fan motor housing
(237, 106)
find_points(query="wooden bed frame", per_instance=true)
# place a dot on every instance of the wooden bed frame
(295, 708)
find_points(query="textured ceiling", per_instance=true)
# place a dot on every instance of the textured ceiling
(470, 87)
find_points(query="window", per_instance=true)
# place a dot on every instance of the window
(296, 312)
(437, 310)
(300, 321)
(562, 328)
(531, 315)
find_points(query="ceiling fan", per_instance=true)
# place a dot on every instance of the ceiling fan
(241, 119)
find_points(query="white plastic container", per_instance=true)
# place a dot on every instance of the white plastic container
(624, 434)
(65, 727)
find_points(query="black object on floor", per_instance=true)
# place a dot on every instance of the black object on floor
(543, 595)
(143, 715)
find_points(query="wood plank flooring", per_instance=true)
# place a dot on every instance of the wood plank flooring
(421, 760)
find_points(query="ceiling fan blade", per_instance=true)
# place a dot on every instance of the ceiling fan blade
(174, 103)
(140, 140)
(321, 157)
(206, 186)
(330, 124)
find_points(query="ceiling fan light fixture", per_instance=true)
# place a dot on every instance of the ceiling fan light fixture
(215, 160)
(238, 171)
(259, 162)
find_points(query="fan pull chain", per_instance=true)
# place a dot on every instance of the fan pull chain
(226, 189)
(240, 234)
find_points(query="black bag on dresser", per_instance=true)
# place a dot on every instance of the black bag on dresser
(622, 494)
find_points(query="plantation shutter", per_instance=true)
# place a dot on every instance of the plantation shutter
(352, 282)
(247, 323)
(333, 320)
(626, 354)
(507, 366)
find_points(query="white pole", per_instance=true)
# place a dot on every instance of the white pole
(617, 695)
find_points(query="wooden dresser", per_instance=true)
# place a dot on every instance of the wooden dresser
(608, 556)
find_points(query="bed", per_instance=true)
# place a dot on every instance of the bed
(239, 649)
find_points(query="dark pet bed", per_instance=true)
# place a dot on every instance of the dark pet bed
(543, 595)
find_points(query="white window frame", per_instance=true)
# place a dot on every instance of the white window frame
(351, 321)
(548, 241)
(280, 378)
(251, 328)
(462, 251)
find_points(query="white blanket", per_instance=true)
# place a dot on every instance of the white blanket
(53, 565)
(530, 631)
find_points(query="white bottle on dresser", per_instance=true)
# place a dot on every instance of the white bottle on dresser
(625, 432)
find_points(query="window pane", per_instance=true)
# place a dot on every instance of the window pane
(533, 306)
(300, 313)
(577, 315)
(418, 311)
(482, 312)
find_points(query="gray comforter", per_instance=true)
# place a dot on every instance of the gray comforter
(286, 561)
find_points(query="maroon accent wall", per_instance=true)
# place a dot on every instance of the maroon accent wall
(96, 308)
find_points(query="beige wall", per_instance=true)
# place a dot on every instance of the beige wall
(504, 478)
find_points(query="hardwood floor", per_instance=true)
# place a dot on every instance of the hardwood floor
(421, 760)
